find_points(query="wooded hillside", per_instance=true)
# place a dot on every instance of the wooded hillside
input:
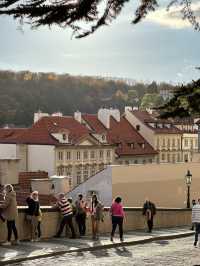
(23, 93)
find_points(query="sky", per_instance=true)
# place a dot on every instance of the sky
(162, 48)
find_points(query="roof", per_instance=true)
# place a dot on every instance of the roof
(11, 135)
(148, 119)
(41, 132)
(94, 123)
(122, 134)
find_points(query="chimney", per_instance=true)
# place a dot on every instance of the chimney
(78, 116)
(57, 114)
(39, 115)
(104, 115)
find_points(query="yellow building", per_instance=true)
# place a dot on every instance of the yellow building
(161, 134)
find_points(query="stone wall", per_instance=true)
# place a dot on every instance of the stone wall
(134, 220)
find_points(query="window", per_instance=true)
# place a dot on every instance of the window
(168, 158)
(101, 154)
(68, 171)
(136, 161)
(173, 158)
(168, 144)
(163, 142)
(144, 161)
(64, 136)
(68, 155)
(78, 177)
(186, 157)
(178, 144)
(108, 153)
(85, 172)
(158, 144)
(85, 155)
(60, 155)
(138, 127)
(132, 145)
(150, 160)
(78, 155)
(162, 156)
(191, 144)
(60, 170)
(93, 170)
(173, 143)
(127, 162)
(178, 157)
(186, 143)
(92, 154)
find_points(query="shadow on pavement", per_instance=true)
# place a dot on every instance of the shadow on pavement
(123, 252)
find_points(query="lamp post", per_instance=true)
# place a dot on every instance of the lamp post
(188, 180)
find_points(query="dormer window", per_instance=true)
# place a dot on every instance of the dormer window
(64, 136)
(132, 145)
(138, 127)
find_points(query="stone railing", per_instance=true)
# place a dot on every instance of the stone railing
(165, 217)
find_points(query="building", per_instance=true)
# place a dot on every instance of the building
(189, 141)
(78, 146)
(131, 147)
(164, 184)
(60, 145)
(162, 134)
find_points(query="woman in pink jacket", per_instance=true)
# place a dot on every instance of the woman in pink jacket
(117, 215)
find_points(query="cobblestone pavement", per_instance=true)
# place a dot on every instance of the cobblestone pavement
(179, 252)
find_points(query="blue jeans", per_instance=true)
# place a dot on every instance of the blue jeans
(197, 231)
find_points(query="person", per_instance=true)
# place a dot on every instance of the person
(117, 216)
(9, 208)
(81, 211)
(149, 210)
(96, 211)
(67, 213)
(32, 214)
(193, 203)
(196, 221)
(39, 224)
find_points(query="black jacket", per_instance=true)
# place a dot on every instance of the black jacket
(33, 207)
(148, 205)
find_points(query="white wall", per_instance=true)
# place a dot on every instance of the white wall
(8, 151)
(41, 157)
(101, 183)
(146, 132)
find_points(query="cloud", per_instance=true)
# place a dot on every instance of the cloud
(173, 17)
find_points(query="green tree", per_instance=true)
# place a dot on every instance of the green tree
(151, 100)
(132, 97)
(185, 103)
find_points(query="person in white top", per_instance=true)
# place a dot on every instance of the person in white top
(196, 220)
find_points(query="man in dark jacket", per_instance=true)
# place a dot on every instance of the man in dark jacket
(149, 210)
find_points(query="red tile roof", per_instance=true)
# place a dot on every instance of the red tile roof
(11, 135)
(123, 135)
(41, 131)
(147, 119)
(94, 123)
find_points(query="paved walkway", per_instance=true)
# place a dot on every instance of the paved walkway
(58, 246)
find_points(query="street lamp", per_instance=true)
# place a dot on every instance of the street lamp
(188, 180)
